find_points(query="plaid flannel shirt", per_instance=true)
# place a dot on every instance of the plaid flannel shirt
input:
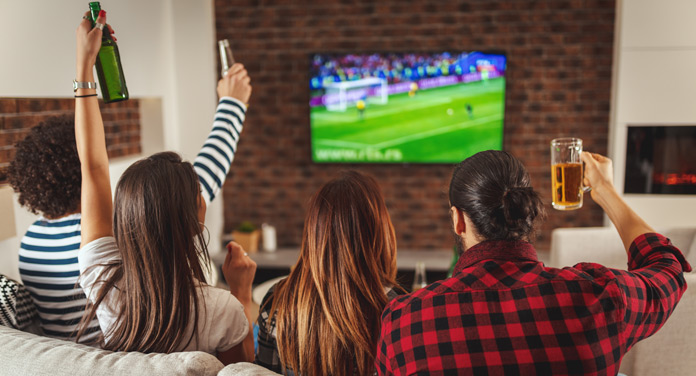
(504, 313)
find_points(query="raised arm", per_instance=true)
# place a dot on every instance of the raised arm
(89, 135)
(654, 282)
(598, 175)
(213, 161)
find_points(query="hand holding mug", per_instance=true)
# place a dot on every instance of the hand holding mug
(599, 172)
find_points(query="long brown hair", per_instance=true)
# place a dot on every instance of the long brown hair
(328, 310)
(158, 236)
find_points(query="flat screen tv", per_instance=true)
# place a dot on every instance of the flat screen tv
(406, 107)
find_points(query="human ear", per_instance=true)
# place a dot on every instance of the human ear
(458, 223)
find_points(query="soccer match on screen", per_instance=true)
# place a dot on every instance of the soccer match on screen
(406, 107)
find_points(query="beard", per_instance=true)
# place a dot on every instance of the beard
(459, 243)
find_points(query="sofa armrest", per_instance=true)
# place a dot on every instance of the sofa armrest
(28, 354)
(601, 245)
(671, 350)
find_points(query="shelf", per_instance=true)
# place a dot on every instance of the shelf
(285, 258)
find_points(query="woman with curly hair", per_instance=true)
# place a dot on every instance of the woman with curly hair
(45, 173)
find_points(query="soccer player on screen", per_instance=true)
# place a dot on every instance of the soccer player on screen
(413, 89)
(360, 105)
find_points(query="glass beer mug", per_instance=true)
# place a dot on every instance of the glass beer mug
(567, 174)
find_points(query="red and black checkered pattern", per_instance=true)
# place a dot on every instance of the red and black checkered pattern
(505, 313)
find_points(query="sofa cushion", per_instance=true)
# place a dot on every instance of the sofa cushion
(27, 354)
(246, 369)
(691, 253)
(671, 350)
(603, 245)
(17, 310)
(683, 238)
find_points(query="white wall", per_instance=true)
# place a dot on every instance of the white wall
(38, 43)
(655, 84)
(168, 53)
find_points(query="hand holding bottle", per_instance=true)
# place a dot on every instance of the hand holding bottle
(89, 40)
(88, 44)
(235, 84)
(96, 47)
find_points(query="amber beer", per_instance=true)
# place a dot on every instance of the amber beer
(566, 173)
(567, 185)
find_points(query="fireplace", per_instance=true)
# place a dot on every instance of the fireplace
(661, 160)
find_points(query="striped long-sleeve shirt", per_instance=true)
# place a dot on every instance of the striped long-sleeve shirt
(48, 252)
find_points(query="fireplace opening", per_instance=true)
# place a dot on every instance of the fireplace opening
(661, 160)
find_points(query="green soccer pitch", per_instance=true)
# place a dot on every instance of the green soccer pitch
(431, 127)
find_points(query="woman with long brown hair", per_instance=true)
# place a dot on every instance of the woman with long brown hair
(324, 318)
(140, 266)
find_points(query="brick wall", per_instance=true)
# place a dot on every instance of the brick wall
(18, 115)
(558, 84)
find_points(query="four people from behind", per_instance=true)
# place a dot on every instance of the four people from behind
(140, 263)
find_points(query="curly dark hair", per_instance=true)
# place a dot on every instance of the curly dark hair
(45, 171)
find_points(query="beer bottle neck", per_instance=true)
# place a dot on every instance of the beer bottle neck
(94, 8)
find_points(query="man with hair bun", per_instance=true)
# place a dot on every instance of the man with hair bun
(503, 312)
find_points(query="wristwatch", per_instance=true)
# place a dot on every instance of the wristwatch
(83, 85)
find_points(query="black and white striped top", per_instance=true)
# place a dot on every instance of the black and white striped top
(48, 252)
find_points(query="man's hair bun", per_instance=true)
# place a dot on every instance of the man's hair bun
(493, 188)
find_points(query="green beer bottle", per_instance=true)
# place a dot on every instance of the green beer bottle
(109, 69)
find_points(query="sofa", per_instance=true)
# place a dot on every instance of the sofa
(23, 353)
(672, 350)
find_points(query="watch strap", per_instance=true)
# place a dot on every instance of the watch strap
(83, 85)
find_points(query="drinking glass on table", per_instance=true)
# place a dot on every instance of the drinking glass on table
(419, 280)
(566, 174)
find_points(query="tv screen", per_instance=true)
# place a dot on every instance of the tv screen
(406, 107)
